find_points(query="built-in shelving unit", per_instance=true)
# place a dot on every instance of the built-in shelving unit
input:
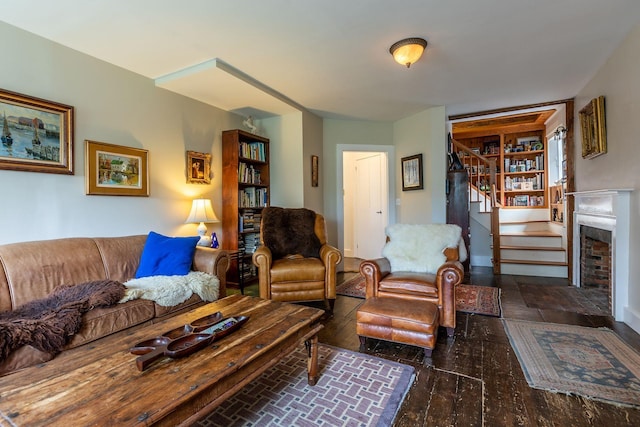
(521, 167)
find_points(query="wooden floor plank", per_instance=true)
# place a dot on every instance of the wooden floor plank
(474, 378)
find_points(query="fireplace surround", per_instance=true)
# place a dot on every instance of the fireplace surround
(608, 210)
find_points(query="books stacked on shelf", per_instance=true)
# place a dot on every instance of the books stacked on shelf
(518, 183)
(248, 221)
(247, 174)
(253, 151)
(253, 197)
(251, 242)
(525, 200)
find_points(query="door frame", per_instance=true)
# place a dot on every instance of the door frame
(391, 188)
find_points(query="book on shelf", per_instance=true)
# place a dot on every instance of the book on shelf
(253, 151)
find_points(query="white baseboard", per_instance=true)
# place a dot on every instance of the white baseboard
(632, 319)
(481, 261)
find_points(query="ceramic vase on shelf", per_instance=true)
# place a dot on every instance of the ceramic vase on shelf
(214, 241)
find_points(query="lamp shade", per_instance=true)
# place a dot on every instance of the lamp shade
(408, 51)
(202, 211)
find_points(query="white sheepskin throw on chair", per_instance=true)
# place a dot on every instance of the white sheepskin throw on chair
(168, 291)
(419, 247)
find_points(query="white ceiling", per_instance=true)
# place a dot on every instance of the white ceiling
(331, 56)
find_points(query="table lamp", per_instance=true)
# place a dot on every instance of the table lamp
(201, 212)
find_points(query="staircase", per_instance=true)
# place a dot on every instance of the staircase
(532, 248)
(524, 241)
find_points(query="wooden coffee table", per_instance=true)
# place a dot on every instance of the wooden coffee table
(100, 385)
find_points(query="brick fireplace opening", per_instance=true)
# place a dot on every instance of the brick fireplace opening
(595, 260)
(608, 213)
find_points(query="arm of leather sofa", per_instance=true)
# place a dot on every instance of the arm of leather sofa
(330, 257)
(449, 275)
(263, 259)
(213, 261)
(373, 271)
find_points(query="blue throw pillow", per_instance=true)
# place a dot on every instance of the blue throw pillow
(166, 256)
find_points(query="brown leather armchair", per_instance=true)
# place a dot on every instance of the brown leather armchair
(438, 287)
(294, 261)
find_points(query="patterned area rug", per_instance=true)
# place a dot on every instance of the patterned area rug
(483, 300)
(590, 362)
(354, 389)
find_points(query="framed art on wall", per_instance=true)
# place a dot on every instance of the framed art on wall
(592, 125)
(198, 168)
(37, 135)
(115, 170)
(412, 172)
(314, 171)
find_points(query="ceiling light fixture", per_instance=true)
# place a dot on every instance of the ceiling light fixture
(408, 51)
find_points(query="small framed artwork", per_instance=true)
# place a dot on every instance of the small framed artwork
(37, 135)
(412, 172)
(198, 168)
(114, 170)
(314, 171)
(592, 125)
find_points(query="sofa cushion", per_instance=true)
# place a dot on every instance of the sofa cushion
(166, 256)
(100, 322)
(403, 282)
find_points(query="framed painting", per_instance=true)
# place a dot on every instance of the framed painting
(198, 168)
(412, 173)
(37, 135)
(314, 171)
(115, 170)
(592, 125)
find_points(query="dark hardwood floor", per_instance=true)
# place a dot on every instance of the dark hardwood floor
(474, 378)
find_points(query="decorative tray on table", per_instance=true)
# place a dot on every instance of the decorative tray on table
(186, 339)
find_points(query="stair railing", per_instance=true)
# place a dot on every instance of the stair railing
(482, 189)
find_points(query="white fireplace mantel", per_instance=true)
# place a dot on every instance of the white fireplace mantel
(607, 210)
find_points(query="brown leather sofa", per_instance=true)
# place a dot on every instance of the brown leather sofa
(295, 277)
(438, 288)
(31, 270)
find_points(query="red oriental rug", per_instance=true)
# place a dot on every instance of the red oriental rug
(473, 299)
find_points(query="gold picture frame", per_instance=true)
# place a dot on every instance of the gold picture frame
(592, 125)
(314, 170)
(115, 170)
(198, 168)
(37, 135)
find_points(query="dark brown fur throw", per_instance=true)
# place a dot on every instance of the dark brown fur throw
(48, 324)
(290, 232)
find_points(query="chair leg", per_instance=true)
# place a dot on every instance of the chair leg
(427, 352)
(363, 343)
(329, 304)
(450, 331)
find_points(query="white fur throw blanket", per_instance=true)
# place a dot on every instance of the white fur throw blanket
(168, 291)
(419, 247)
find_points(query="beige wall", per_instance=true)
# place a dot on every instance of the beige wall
(114, 106)
(619, 168)
(422, 133)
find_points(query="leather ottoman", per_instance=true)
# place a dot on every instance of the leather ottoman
(393, 319)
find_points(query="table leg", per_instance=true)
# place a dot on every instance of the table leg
(312, 363)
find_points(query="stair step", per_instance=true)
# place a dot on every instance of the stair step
(533, 262)
(532, 248)
(521, 268)
(532, 254)
(531, 239)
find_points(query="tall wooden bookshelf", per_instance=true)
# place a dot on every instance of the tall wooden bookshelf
(245, 192)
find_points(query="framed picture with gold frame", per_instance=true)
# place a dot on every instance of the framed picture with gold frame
(592, 125)
(314, 170)
(198, 168)
(37, 135)
(115, 170)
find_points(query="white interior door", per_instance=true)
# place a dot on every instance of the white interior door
(370, 213)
